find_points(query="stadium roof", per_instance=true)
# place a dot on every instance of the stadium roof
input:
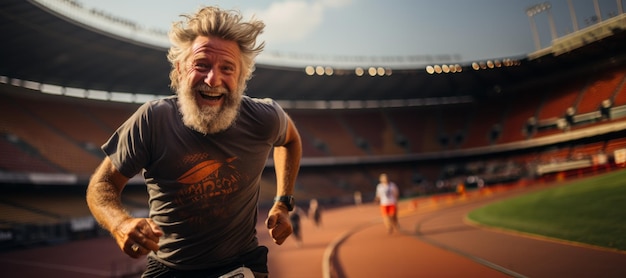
(46, 47)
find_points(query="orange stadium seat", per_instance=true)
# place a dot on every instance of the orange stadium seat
(603, 87)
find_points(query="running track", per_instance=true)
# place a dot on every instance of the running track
(434, 241)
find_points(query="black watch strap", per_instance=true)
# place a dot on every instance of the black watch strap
(288, 200)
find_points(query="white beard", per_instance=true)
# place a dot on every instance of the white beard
(208, 120)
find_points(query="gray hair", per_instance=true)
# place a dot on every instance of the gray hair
(215, 22)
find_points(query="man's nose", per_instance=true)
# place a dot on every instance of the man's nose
(212, 78)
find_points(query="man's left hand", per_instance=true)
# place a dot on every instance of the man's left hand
(278, 223)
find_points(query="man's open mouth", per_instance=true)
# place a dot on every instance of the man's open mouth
(211, 96)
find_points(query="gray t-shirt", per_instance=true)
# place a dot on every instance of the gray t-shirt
(204, 189)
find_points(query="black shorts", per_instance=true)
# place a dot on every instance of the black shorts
(255, 260)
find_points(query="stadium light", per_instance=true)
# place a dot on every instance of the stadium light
(445, 68)
(310, 70)
(380, 71)
(372, 71)
(359, 71)
(534, 10)
(430, 69)
(328, 71)
(319, 70)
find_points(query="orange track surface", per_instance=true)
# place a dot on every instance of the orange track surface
(434, 241)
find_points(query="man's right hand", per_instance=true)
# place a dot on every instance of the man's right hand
(137, 236)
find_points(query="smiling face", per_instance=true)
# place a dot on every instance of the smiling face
(209, 96)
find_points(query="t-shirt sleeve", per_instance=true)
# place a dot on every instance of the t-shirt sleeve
(282, 121)
(128, 146)
(272, 113)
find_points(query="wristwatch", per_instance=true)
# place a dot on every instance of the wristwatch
(288, 200)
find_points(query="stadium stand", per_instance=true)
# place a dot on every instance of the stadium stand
(453, 125)
(601, 88)
(556, 101)
(53, 144)
(580, 151)
(519, 110)
(485, 123)
(374, 141)
(417, 128)
(327, 128)
(18, 157)
(615, 144)
(619, 98)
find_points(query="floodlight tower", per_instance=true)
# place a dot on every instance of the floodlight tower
(596, 6)
(531, 12)
(573, 15)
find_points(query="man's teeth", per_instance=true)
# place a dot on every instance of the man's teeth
(210, 95)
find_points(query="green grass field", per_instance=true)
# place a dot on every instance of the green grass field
(591, 211)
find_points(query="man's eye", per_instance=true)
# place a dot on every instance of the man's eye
(229, 69)
(202, 66)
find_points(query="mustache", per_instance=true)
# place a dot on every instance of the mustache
(209, 89)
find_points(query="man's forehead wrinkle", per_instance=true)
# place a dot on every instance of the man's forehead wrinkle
(200, 48)
(208, 48)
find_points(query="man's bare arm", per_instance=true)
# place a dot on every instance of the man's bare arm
(287, 165)
(134, 236)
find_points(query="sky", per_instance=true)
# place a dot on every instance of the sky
(331, 30)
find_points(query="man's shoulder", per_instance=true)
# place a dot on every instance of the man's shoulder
(161, 104)
(257, 106)
(253, 101)
(167, 101)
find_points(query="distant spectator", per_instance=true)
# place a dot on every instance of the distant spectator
(358, 198)
(460, 189)
(315, 212)
(295, 219)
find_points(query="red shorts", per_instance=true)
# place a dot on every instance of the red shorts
(388, 210)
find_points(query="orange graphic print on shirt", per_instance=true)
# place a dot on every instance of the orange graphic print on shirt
(205, 189)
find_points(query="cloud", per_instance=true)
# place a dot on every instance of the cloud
(294, 20)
